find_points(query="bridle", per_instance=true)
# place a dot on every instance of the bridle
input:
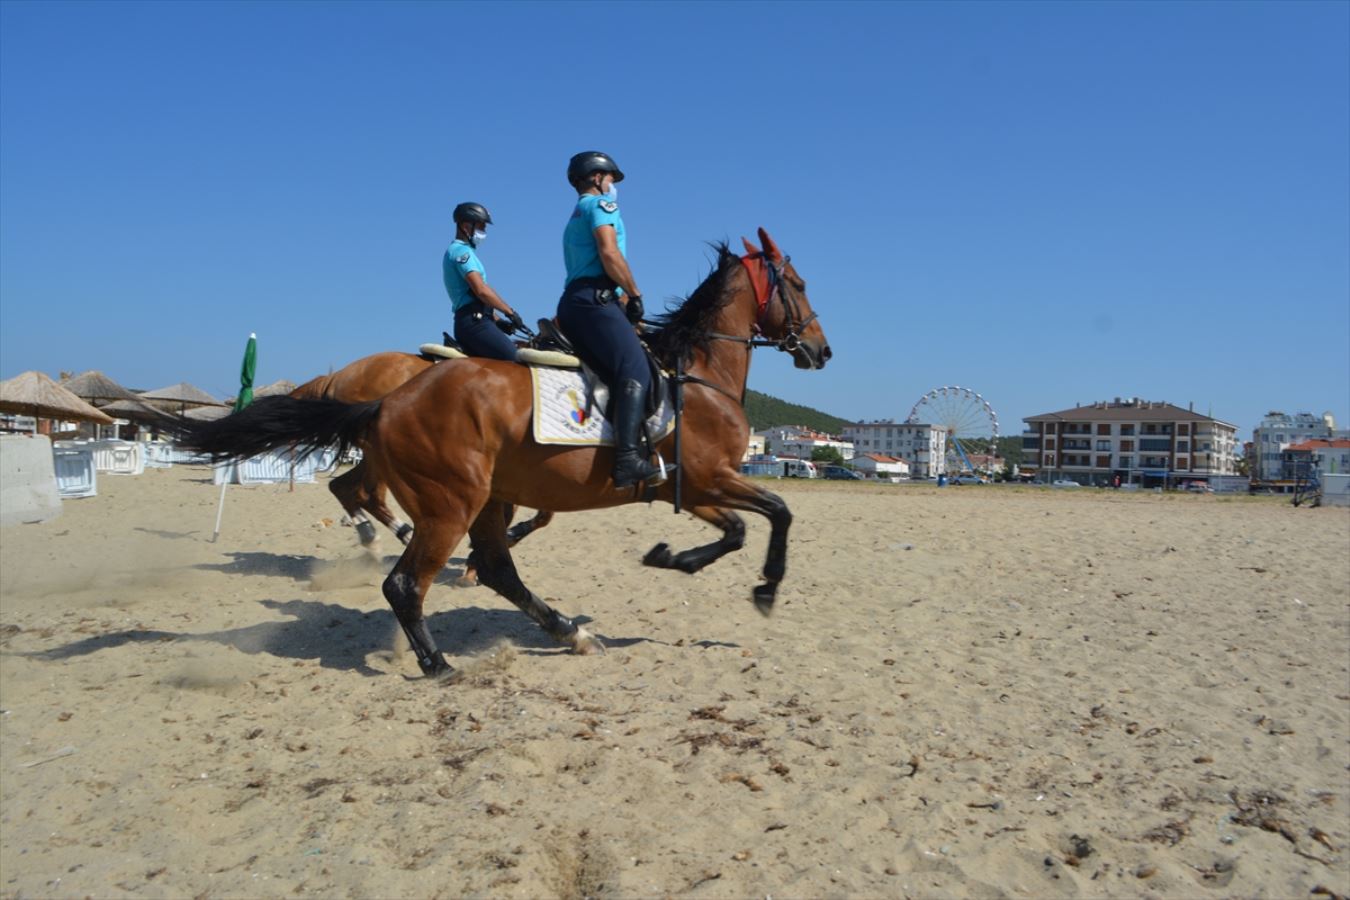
(767, 281)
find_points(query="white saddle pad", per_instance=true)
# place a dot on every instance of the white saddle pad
(565, 412)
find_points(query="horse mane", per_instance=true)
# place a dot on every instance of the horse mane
(688, 326)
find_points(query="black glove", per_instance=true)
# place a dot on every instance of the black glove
(634, 308)
(512, 322)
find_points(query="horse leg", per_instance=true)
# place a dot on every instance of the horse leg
(375, 491)
(733, 538)
(732, 491)
(350, 490)
(407, 584)
(517, 533)
(496, 569)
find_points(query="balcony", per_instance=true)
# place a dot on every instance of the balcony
(1155, 444)
(1031, 443)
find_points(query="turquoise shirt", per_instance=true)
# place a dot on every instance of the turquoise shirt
(580, 253)
(456, 265)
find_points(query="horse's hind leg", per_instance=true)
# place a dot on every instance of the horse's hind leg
(733, 538)
(497, 570)
(519, 532)
(406, 587)
(375, 492)
(350, 490)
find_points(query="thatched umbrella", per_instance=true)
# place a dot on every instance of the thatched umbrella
(134, 410)
(275, 389)
(96, 387)
(208, 413)
(35, 394)
(182, 394)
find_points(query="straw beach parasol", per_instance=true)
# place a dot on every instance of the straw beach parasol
(35, 394)
(134, 410)
(275, 389)
(182, 394)
(96, 387)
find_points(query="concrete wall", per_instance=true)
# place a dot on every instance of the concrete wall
(27, 480)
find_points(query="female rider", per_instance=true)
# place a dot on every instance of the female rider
(600, 305)
(473, 300)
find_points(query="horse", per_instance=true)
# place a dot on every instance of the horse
(361, 494)
(455, 446)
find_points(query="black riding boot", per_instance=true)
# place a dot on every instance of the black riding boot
(629, 465)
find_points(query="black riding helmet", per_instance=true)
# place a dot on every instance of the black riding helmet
(588, 163)
(472, 212)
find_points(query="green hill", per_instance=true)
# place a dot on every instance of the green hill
(766, 412)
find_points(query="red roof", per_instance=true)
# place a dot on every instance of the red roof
(1318, 444)
(882, 458)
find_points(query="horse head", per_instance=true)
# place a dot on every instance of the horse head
(785, 313)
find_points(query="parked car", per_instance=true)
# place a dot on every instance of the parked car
(841, 473)
(967, 479)
(1199, 487)
(1065, 483)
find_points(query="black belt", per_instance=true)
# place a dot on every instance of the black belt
(476, 309)
(604, 286)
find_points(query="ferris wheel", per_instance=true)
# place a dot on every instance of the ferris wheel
(965, 414)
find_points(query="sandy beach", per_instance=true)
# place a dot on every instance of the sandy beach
(969, 691)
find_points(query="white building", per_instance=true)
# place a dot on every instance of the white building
(923, 445)
(755, 447)
(800, 441)
(1278, 431)
(879, 465)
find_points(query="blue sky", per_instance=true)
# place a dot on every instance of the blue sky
(1049, 203)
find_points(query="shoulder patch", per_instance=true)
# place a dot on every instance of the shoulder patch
(462, 259)
(609, 206)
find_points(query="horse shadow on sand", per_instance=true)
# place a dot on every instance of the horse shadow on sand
(339, 637)
(312, 570)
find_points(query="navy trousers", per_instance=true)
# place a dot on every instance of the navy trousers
(602, 335)
(479, 336)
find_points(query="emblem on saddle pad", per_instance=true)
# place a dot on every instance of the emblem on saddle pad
(570, 409)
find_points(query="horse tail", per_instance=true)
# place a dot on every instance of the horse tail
(275, 422)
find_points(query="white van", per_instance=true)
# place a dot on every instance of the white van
(799, 468)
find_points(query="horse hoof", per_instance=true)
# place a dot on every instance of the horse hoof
(764, 596)
(586, 644)
(659, 557)
(366, 532)
(467, 580)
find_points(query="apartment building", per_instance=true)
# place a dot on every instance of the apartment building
(1278, 431)
(923, 446)
(1138, 441)
(799, 441)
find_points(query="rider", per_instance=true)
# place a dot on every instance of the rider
(473, 300)
(601, 304)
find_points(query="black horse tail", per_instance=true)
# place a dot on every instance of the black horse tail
(275, 422)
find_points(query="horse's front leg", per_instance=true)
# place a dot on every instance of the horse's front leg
(517, 533)
(733, 538)
(734, 492)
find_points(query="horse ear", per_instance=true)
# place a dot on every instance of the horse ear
(770, 248)
(749, 247)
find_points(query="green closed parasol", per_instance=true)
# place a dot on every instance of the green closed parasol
(250, 368)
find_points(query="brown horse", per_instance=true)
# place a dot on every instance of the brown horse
(455, 445)
(359, 491)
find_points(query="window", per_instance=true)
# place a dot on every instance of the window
(1126, 462)
(1103, 462)
(1050, 428)
(1104, 429)
(1103, 445)
(1183, 429)
(1127, 446)
(1205, 446)
(1183, 446)
(1127, 429)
